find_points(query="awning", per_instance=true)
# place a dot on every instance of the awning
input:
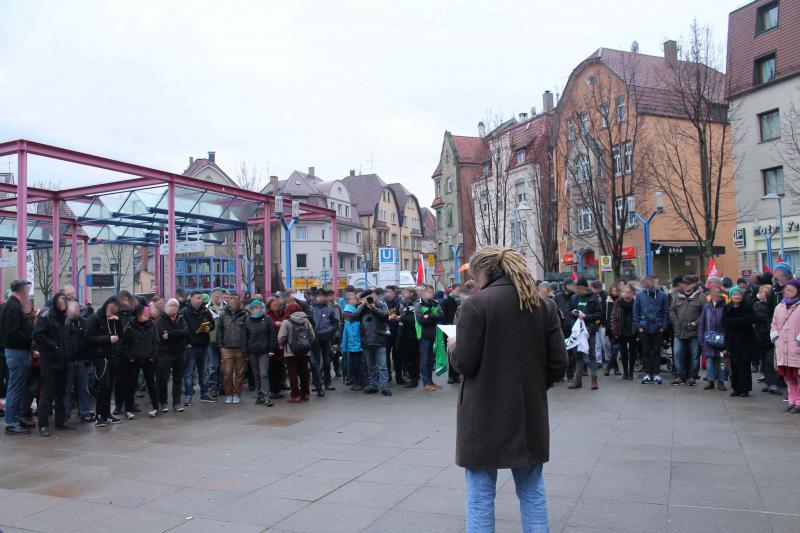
(681, 248)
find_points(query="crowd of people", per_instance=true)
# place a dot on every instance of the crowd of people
(67, 355)
(732, 330)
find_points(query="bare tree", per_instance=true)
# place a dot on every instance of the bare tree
(43, 257)
(119, 256)
(543, 218)
(789, 150)
(693, 162)
(492, 191)
(603, 152)
(251, 179)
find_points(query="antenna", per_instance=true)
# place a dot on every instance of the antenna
(372, 162)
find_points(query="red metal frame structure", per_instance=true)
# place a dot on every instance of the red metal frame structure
(145, 177)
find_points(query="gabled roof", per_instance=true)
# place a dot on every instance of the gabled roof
(197, 166)
(428, 223)
(298, 184)
(365, 192)
(438, 170)
(472, 150)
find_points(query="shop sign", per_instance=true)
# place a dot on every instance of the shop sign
(605, 263)
(629, 252)
(739, 238)
(771, 229)
(569, 259)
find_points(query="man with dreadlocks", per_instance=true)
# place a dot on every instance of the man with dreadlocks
(509, 348)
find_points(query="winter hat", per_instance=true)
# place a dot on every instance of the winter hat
(734, 289)
(794, 283)
(582, 283)
(783, 265)
(206, 298)
(255, 303)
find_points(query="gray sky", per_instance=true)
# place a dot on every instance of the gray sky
(287, 85)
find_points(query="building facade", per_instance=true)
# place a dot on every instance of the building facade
(763, 65)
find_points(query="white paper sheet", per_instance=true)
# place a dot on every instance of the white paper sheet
(448, 330)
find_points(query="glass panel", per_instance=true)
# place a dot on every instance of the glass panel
(186, 199)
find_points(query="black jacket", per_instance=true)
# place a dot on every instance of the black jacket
(230, 333)
(373, 323)
(763, 315)
(738, 323)
(563, 299)
(435, 315)
(77, 338)
(407, 330)
(52, 336)
(140, 341)
(259, 336)
(99, 331)
(194, 318)
(177, 334)
(16, 327)
(593, 309)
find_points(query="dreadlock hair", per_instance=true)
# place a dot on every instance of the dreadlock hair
(500, 260)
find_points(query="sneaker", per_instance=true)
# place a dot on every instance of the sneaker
(260, 400)
(100, 422)
(677, 381)
(330, 387)
(153, 413)
(228, 399)
(357, 388)
(136, 409)
(187, 402)
(275, 395)
(178, 408)
(646, 380)
(117, 411)
(236, 399)
(657, 380)
(130, 415)
(430, 388)
(386, 392)
(773, 389)
(164, 408)
(114, 420)
(268, 403)
(205, 398)
(762, 379)
(293, 400)
(692, 382)
(370, 390)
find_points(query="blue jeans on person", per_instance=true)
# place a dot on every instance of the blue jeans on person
(481, 490)
(214, 371)
(78, 376)
(321, 357)
(715, 370)
(19, 370)
(687, 358)
(196, 357)
(426, 361)
(376, 362)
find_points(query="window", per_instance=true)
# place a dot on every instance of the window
(449, 217)
(394, 218)
(630, 207)
(323, 234)
(113, 264)
(484, 199)
(767, 17)
(770, 125)
(347, 211)
(352, 264)
(773, 180)
(438, 188)
(620, 109)
(405, 264)
(604, 116)
(300, 260)
(97, 264)
(341, 262)
(584, 220)
(616, 162)
(584, 118)
(583, 168)
(449, 184)
(405, 241)
(324, 262)
(520, 157)
(394, 240)
(522, 194)
(301, 233)
(570, 129)
(439, 219)
(485, 169)
(764, 69)
(628, 157)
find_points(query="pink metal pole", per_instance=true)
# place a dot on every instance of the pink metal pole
(74, 254)
(2, 285)
(56, 244)
(157, 267)
(22, 214)
(85, 271)
(237, 240)
(267, 251)
(335, 255)
(171, 236)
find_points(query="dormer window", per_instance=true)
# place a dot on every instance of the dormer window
(520, 157)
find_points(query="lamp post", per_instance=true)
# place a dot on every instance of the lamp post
(455, 249)
(768, 235)
(779, 198)
(516, 225)
(648, 254)
(287, 232)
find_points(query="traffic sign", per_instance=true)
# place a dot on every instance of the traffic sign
(439, 267)
(606, 264)
(388, 256)
(431, 260)
(435, 278)
(388, 266)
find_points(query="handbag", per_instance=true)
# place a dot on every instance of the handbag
(713, 338)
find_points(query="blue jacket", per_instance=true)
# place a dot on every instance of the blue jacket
(651, 311)
(351, 332)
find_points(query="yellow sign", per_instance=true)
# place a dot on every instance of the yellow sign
(313, 282)
(431, 260)
(342, 283)
(299, 283)
(605, 263)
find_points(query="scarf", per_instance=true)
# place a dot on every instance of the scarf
(257, 314)
(788, 302)
(348, 311)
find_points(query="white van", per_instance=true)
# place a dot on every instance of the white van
(357, 280)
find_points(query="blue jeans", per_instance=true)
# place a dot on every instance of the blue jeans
(426, 361)
(376, 362)
(481, 490)
(686, 368)
(214, 371)
(715, 370)
(78, 376)
(19, 370)
(196, 358)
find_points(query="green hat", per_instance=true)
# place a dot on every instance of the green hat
(255, 303)
(735, 288)
(206, 298)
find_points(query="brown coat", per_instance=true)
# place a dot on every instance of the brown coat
(508, 359)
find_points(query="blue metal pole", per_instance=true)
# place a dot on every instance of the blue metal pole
(455, 262)
(768, 238)
(366, 274)
(288, 238)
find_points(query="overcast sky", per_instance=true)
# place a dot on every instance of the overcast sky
(338, 85)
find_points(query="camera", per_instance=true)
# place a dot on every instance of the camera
(370, 300)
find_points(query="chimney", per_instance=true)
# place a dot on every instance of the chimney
(212, 156)
(191, 160)
(352, 173)
(311, 171)
(671, 51)
(547, 101)
(523, 116)
(481, 130)
(273, 184)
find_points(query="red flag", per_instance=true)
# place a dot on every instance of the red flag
(574, 276)
(766, 269)
(780, 259)
(420, 271)
(712, 268)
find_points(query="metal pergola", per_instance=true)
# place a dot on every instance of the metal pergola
(152, 207)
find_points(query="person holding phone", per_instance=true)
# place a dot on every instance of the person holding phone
(200, 323)
(103, 330)
(373, 315)
(173, 333)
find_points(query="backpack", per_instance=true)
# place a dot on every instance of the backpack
(299, 343)
(324, 324)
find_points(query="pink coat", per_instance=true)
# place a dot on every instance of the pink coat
(786, 322)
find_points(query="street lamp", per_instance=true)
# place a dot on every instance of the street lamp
(648, 254)
(287, 232)
(455, 249)
(516, 224)
(779, 198)
(768, 234)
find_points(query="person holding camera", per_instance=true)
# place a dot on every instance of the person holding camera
(374, 316)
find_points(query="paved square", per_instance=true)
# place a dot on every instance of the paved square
(625, 458)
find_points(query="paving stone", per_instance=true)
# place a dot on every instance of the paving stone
(640, 517)
(300, 488)
(331, 517)
(362, 493)
(687, 519)
(189, 501)
(398, 521)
